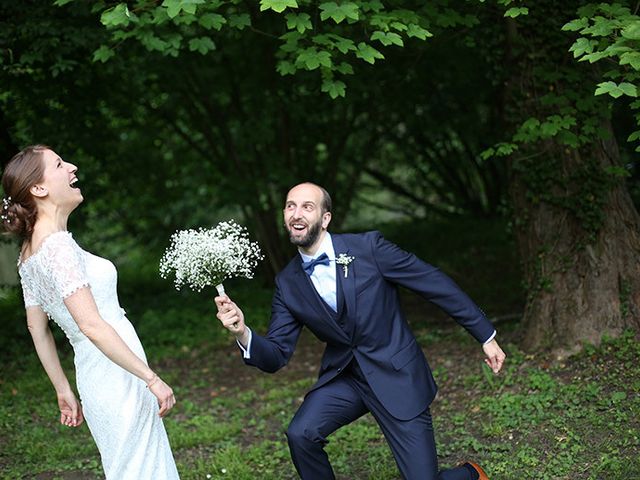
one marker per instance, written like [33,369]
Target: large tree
[577,228]
[238,95]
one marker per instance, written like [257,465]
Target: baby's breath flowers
[204,257]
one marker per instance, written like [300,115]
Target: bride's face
[59,180]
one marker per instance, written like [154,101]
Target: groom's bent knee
[300,434]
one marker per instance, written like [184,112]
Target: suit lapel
[305,287]
[348,283]
[307,291]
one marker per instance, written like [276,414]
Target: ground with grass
[561,418]
[544,417]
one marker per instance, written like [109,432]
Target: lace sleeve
[29,297]
[67,266]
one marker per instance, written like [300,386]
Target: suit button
[339,369]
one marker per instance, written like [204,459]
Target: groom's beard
[313,232]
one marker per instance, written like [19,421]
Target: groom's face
[303,215]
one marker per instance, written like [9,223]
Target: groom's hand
[495,355]
[232,318]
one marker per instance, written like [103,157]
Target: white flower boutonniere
[344,260]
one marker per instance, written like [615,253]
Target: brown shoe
[478,468]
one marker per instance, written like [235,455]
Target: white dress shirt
[324,276]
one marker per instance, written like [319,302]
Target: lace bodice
[57,270]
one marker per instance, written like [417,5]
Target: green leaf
[373,6]
[504,149]
[568,138]
[277,6]
[608,87]
[60,3]
[632,31]
[387,38]
[602,27]
[103,54]
[239,21]
[516,12]
[575,25]
[151,42]
[582,46]
[487,154]
[212,21]
[594,57]
[530,124]
[117,16]
[634,136]
[368,53]
[202,45]
[173,7]
[311,58]
[286,68]
[628,89]
[343,44]
[529,131]
[344,68]
[417,31]
[338,12]
[615,90]
[401,27]
[335,88]
[299,21]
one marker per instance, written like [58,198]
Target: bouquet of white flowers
[204,257]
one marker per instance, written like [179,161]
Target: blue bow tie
[311,264]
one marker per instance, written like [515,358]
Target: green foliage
[516,12]
[174,25]
[610,32]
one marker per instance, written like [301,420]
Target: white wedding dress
[122,414]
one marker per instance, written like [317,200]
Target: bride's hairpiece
[6,203]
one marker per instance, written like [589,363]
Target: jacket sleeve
[272,352]
[404,268]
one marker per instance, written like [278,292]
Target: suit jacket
[376,332]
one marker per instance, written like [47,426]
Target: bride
[123,399]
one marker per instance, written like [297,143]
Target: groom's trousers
[342,401]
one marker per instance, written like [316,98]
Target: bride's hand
[164,394]
[70,409]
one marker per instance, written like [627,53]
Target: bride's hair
[18,210]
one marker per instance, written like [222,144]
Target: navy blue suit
[372,361]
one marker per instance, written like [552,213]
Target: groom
[344,289]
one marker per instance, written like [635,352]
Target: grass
[542,418]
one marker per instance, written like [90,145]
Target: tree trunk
[579,288]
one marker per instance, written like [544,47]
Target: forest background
[496,139]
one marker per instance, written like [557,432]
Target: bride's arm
[38,325]
[84,311]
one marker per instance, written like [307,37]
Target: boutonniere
[344,260]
